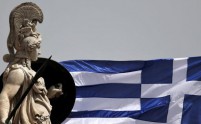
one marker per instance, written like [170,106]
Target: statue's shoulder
[14,67]
[15,72]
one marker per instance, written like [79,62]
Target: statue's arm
[10,88]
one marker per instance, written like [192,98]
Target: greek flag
[163,91]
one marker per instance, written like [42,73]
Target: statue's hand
[55,91]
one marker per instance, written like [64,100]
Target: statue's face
[34,53]
[33,48]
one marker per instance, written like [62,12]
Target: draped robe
[35,108]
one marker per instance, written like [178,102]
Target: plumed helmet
[21,15]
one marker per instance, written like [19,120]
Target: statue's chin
[34,59]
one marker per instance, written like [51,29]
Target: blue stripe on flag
[153,71]
[153,109]
[101,66]
[157,72]
[194,69]
[191,110]
[104,114]
[112,90]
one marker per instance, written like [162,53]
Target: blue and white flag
[163,91]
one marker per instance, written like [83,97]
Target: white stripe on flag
[91,78]
[105,121]
[89,104]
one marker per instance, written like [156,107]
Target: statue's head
[23,40]
[28,43]
[29,47]
[32,47]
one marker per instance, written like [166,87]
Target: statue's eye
[38,45]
